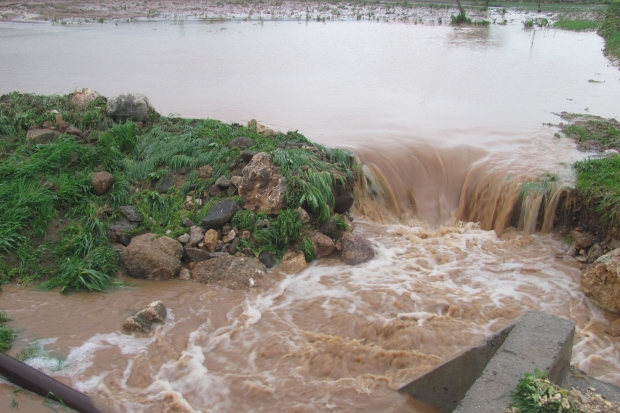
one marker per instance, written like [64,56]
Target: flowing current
[449,123]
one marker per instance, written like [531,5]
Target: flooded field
[451,120]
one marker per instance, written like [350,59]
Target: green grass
[610,31]
[599,181]
[536,394]
[7,334]
[594,130]
[576,25]
[53,228]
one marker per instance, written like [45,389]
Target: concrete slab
[577,379]
[445,386]
[481,379]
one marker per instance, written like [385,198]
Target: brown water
[449,124]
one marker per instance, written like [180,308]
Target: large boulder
[231,272]
[220,213]
[293,262]
[153,258]
[356,249]
[602,281]
[262,187]
[42,135]
[129,106]
[142,320]
[101,182]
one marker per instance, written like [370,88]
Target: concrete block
[537,341]
[480,380]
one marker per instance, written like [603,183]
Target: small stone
[131,214]
[356,249]
[196,235]
[329,227]
[165,185]
[183,239]
[293,262]
[84,97]
[192,265]
[196,254]
[222,182]
[231,236]
[305,168]
[187,222]
[142,320]
[42,135]
[235,243]
[219,246]
[184,170]
[226,229]
[214,190]
[304,217]
[124,239]
[72,130]
[266,258]
[246,235]
[235,180]
[232,250]
[129,106]
[220,214]
[582,239]
[101,182]
[211,239]
[343,203]
[241,142]
[61,124]
[247,251]
[323,245]
[204,172]
[185,275]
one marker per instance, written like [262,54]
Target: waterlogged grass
[7,334]
[610,31]
[598,180]
[576,25]
[54,229]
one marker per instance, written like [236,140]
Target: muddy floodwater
[449,122]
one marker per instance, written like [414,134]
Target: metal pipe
[24,376]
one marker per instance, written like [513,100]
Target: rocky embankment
[593,209]
[121,188]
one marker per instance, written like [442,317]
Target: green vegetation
[7,334]
[576,25]
[598,180]
[610,31]
[54,229]
[536,394]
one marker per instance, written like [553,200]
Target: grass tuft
[576,25]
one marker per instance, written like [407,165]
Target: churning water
[449,122]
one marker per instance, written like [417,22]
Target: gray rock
[356,249]
[196,254]
[595,252]
[185,274]
[220,214]
[231,272]
[129,106]
[329,227]
[219,254]
[72,130]
[143,319]
[165,185]
[84,97]
[222,182]
[42,135]
[266,258]
[235,180]
[101,182]
[343,203]
[582,239]
[196,235]
[241,142]
[188,222]
[131,214]
[184,239]
[118,228]
[184,170]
